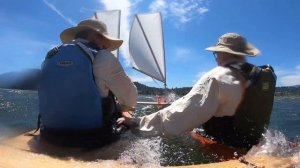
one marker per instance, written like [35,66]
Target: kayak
[154,103]
[231,155]
[224,152]
[25,151]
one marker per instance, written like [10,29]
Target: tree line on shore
[145,90]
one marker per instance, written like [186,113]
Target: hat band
[240,48]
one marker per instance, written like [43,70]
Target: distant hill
[146,90]
[288,91]
[29,79]
[280,91]
[23,80]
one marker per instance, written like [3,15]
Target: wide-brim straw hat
[235,44]
[69,34]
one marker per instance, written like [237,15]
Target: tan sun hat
[69,34]
[235,44]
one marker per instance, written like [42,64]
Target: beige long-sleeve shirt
[218,93]
[110,75]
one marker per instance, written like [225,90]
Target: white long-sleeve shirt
[218,93]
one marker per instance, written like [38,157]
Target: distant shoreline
[140,93]
[284,97]
[31,83]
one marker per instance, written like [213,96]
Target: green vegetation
[286,91]
[146,90]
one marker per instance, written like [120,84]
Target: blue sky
[30,28]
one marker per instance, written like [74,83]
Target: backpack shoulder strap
[249,71]
[52,52]
[90,53]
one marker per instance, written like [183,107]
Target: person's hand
[127,114]
[129,122]
[121,120]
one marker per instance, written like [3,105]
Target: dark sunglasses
[215,55]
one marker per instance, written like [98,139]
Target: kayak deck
[27,151]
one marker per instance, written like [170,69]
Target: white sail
[146,46]
[112,21]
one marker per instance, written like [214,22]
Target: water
[19,109]
[286,117]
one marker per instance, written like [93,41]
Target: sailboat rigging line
[163,42]
[118,50]
[160,71]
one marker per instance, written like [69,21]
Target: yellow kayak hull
[28,152]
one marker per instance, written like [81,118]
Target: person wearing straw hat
[214,101]
[72,72]
[108,72]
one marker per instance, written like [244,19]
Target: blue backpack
[68,96]
[71,110]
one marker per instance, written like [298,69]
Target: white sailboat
[146,46]
[112,20]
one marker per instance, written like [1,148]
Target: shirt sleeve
[186,113]
[109,74]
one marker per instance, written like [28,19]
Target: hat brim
[69,34]
[249,51]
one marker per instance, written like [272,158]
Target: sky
[30,28]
